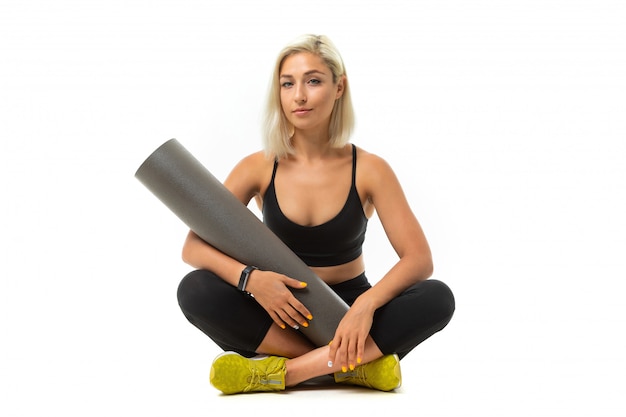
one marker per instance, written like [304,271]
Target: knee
[192,287]
[443,299]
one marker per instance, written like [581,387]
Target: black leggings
[236,322]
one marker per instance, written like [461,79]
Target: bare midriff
[339,273]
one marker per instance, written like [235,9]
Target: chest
[315,195]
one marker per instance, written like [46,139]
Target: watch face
[243,280]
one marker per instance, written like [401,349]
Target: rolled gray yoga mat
[208,208]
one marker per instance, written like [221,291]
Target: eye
[286,84]
[314,81]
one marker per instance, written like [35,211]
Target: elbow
[186,254]
[421,266]
[188,250]
[424,266]
[427,268]
[431,270]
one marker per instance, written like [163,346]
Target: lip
[301,111]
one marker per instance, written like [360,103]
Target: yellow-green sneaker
[382,374]
[232,373]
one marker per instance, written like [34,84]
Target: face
[307,91]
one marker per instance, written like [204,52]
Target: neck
[311,145]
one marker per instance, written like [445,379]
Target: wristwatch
[243,280]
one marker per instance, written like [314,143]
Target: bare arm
[269,288]
[414,264]
[403,231]
[197,253]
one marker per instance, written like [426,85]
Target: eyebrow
[314,71]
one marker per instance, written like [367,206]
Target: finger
[351,355]
[294,316]
[342,357]
[291,316]
[278,320]
[294,283]
[301,309]
[331,353]
[359,351]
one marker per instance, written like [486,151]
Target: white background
[503,119]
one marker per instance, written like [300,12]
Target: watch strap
[243,279]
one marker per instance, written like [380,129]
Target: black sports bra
[338,241]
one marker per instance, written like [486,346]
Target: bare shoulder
[373,168]
[377,180]
[249,175]
[252,163]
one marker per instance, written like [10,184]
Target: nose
[300,94]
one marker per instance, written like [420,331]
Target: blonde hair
[277,131]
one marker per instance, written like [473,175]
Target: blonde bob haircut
[277,130]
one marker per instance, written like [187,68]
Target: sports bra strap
[353,165]
[275,167]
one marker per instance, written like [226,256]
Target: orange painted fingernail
[310,317]
[343,369]
[305,324]
[282,326]
[351,367]
[358,360]
[303,284]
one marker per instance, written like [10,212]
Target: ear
[341,87]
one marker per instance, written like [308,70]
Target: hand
[348,345]
[271,291]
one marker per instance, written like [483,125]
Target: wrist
[244,277]
[365,304]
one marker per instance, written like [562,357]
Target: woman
[300,182]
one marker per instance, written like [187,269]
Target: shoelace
[358,374]
[258,377]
